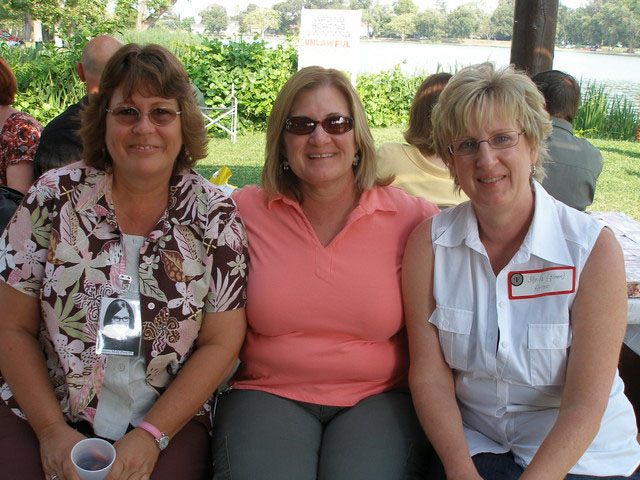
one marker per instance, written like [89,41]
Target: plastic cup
[92,458]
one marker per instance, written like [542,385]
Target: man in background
[59,144]
[575,164]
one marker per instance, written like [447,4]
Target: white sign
[330,39]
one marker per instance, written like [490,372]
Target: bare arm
[218,344]
[598,320]
[430,378]
[23,366]
[20,176]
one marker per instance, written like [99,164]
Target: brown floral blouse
[64,245]
[19,139]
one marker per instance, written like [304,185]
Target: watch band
[161,439]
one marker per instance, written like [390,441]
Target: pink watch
[161,439]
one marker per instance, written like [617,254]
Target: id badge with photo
[120,323]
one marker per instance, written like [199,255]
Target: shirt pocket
[454,330]
[548,346]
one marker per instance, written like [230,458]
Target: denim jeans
[493,466]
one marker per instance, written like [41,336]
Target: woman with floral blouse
[130,225]
[19,136]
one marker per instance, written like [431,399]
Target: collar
[545,238]
[563,124]
[375,199]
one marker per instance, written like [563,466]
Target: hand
[56,442]
[466,471]
[136,456]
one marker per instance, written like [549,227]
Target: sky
[191,8]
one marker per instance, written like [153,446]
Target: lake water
[619,72]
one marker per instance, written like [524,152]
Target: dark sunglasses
[159,116]
[334,125]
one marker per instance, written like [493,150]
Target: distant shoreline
[478,42]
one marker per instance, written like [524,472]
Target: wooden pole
[534,34]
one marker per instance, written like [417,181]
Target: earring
[186,151]
[533,169]
[356,159]
[285,165]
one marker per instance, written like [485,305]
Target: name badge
[539,283]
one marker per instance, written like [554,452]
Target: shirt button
[501,304]
[151,306]
[121,367]
[556,342]
[505,344]
[445,323]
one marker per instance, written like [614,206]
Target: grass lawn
[618,187]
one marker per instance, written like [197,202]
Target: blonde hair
[479,92]
[277,181]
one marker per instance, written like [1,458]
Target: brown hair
[150,70]
[8,85]
[277,181]
[420,131]
[561,93]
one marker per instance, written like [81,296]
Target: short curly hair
[149,70]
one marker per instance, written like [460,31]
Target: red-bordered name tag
[538,283]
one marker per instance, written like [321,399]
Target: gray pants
[259,436]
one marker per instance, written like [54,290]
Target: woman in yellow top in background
[417,168]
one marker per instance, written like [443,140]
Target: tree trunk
[28,28]
[142,5]
[534,33]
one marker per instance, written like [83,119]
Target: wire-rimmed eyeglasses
[499,141]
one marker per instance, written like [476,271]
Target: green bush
[46,78]
[256,70]
[386,96]
[602,115]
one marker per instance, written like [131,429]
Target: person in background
[60,143]
[417,168]
[575,164]
[321,391]
[131,221]
[19,136]
[516,303]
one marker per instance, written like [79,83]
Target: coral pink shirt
[326,324]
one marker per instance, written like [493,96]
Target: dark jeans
[188,456]
[262,436]
[493,466]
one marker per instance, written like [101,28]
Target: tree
[214,18]
[501,20]
[140,13]
[430,24]
[170,21]
[402,7]
[379,17]
[403,25]
[332,4]
[289,12]
[463,21]
[561,25]
[262,19]
[186,23]
[65,18]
